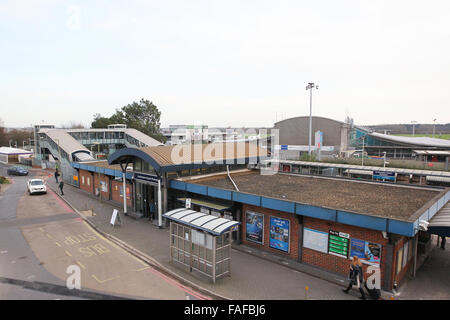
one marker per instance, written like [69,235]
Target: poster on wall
[338,243]
[254,227]
[279,234]
[315,240]
[121,192]
[368,252]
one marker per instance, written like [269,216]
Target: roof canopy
[202,221]
[191,156]
[440,223]
[9,150]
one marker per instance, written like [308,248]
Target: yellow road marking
[68,253]
[42,229]
[49,236]
[102,237]
[81,265]
[138,260]
[58,244]
[142,269]
[102,281]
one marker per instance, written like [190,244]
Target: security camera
[423,225]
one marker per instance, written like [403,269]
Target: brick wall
[405,270]
[104,179]
[293,225]
[89,181]
[341,265]
[327,261]
[338,264]
[86,181]
[115,192]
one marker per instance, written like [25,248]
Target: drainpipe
[159,205]
[229,176]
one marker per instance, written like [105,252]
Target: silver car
[36,186]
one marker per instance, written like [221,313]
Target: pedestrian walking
[443,240]
[56,176]
[356,277]
[61,185]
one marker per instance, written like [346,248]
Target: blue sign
[279,234]
[357,248]
[146,178]
[384,175]
[284,147]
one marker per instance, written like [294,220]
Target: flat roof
[368,198]
[366,168]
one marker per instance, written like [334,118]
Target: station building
[148,170]
[318,221]
[323,222]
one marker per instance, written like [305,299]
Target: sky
[225,63]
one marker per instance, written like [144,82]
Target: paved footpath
[255,275]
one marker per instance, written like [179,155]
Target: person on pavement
[356,277]
[443,240]
[56,176]
[61,185]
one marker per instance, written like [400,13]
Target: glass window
[137,165]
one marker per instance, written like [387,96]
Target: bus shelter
[201,242]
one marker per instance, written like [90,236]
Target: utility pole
[309,87]
[362,154]
[434,127]
[413,123]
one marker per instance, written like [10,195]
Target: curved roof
[191,156]
[66,142]
[203,221]
[415,141]
[307,117]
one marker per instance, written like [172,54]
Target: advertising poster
[368,252]
[121,192]
[315,240]
[254,227]
[279,234]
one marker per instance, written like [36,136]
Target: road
[41,237]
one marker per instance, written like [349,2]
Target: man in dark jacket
[61,185]
[56,176]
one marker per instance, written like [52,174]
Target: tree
[143,116]
[73,125]
[3,135]
[100,122]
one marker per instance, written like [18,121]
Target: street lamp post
[309,87]
[434,127]
[413,123]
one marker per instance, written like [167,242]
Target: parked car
[17,171]
[36,186]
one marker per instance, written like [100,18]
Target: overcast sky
[225,63]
